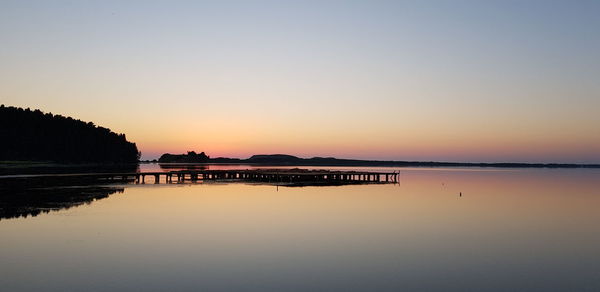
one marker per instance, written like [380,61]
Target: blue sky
[415,80]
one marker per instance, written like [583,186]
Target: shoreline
[396,164]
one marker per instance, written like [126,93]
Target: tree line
[32,135]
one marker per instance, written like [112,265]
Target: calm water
[511,230]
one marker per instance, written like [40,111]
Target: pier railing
[256,175]
[270,176]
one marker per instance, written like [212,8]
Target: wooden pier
[283,176]
[272,175]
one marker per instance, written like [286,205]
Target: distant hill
[274,159]
[290,160]
[32,135]
[283,159]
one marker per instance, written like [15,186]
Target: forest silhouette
[32,135]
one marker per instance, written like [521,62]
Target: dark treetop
[28,135]
[191,157]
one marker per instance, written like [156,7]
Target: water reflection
[511,230]
[182,166]
[57,168]
[33,202]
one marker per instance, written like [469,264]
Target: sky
[396,80]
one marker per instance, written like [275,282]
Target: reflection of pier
[265,175]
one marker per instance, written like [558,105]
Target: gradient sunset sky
[404,80]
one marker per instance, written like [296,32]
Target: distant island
[190,157]
[290,160]
[32,135]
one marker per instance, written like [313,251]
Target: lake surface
[438,230]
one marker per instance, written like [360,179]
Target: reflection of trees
[54,168]
[182,166]
[32,202]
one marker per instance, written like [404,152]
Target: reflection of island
[32,202]
[182,166]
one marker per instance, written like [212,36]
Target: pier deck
[256,175]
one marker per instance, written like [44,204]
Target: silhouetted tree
[37,136]
[191,157]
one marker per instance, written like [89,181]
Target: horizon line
[466,163]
